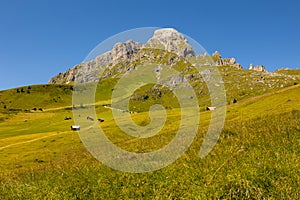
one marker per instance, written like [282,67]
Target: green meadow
[256,157]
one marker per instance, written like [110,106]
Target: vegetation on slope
[286,71]
[36,96]
[257,155]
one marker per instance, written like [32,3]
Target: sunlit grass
[257,156]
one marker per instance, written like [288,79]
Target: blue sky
[40,38]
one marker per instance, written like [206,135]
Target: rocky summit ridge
[167,39]
[170,40]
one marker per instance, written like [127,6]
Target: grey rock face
[166,39]
[225,61]
[171,40]
[90,71]
[124,51]
[260,68]
[229,61]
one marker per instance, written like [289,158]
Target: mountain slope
[257,155]
[170,48]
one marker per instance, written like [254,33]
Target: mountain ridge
[167,39]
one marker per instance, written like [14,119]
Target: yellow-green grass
[36,96]
[289,71]
[257,156]
[34,123]
[284,100]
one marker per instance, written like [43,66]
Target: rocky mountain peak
[171,40]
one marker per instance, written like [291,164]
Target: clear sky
[41,38]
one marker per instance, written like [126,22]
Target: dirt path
[64,107]
[57,108]
[28,141]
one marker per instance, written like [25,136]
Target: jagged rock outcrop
[259,68]
[124,50]
[251,67]
[89,71]
[225,61]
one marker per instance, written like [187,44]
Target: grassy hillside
[239,84]
[256,157]
[287,71]
[36,96]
